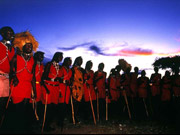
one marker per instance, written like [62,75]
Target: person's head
[27,48]
[58,56]
[39,56]
[25,42]
[67,62]
[78,61]
[143,73]
[136,69]
[101,66]
[156,69]
[113,71]
[89,65]
[167,73]
[7,33]
[118,68]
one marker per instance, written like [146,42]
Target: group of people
[52,92]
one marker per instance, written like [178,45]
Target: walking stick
[146,108]
[44,113]
[106,107]
[125,97]
[91,105]
[2,119]
[97,105]
[72,110]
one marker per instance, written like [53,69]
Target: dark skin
[8,35]
[27,49]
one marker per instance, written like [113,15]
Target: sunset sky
[138,31]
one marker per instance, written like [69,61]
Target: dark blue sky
[109,28]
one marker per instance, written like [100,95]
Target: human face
[40,57]
[27,48]
[8,35]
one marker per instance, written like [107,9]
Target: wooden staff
[91,105]
[125,97]
[106,107]
[145,108]
[72,110]
[44,113]
[2,119]
[97,105]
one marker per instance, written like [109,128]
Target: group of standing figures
[33,93]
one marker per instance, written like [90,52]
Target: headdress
[25,37]
[124,65]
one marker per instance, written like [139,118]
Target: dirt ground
[118,126]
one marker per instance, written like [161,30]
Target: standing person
[134,87]
[77,86]
[118,85]
[125,89]
[89,92]
[65,85]
[155,92]
[176,98]
[166,96]
[143,93]
[6,55]
[51,90]
[39,69]
[100,87]
[23,81]
[114,95]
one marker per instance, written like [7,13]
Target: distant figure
[51,89]
[176,98]
[77,85]
[65,85]
[39,69]
[166,97]
[134,90]
[89,91]
[143,95]
[155,80]
[113,92]
[100,87]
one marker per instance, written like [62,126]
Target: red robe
[118,84]
[113,88]
[64,89]
[133,85]
[53,87]
[24,75]
[155,88]
[126,85]
[143,83]
[91,86]
[176,85]
[101,84]
[5,57]
[166,87]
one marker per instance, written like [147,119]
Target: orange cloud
[136,51]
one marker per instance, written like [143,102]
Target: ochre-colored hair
[25,37]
